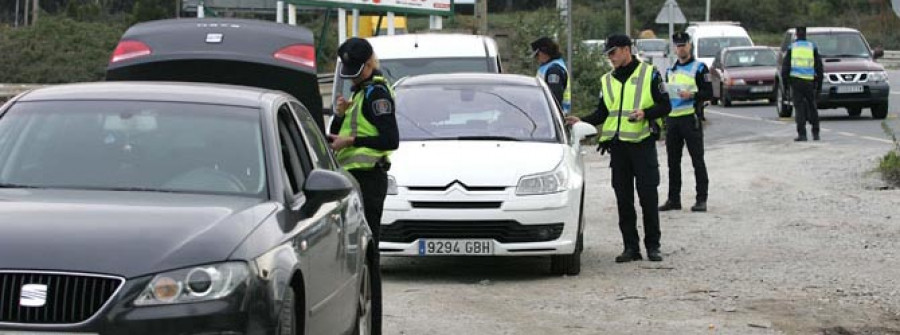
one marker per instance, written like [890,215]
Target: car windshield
[749,58]
[710,46]
[652,45]
[475,112]
[396,69]
[840,45]
[133,146]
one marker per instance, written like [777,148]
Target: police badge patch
[553,78]
[382,107]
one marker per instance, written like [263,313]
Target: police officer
[802,69]
[688,86]
[553,71]
[363,133]
[633,100]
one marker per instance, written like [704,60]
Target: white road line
[786,121]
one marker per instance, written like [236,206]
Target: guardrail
[891,59]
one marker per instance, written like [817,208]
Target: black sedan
[176,208]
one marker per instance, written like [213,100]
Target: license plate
[850,89]
[455,247]
[758,89]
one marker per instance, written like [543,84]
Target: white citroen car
[486,166]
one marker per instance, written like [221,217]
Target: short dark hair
[801,32]
[547,46]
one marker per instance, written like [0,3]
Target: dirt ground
[799,239]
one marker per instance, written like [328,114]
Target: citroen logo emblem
[33,295]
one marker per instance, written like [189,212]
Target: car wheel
[571,264]
[287,320]
[880,111]
[854,111]
[781,104]
[364,303]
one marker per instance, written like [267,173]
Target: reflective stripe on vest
[803,60]
[682,77]
[567,93]
[356,125]
[636,95]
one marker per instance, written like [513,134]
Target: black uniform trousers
[681,130]
[373,185]
[635,165]
[803,94]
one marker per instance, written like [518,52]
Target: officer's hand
[571,119]
[637,115]
[340,142]
[342,105]
[685,94]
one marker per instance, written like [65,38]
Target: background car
[174,208]
[744,73]
[853,80]
[709,38]
[485,167]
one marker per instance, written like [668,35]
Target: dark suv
[852,78]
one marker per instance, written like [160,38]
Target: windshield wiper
[845,56]
[133,189]
[486,138]
[6,185]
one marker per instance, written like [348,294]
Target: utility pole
[707,10]
[628,18]
[34,12]
[17,15]
[25,13]
[481,14]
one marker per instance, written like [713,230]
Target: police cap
[616,40]
[681,38]
[354,53]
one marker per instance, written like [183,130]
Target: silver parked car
[176,208]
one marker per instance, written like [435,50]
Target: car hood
[473,163]
[128,234]
[752,73]
[850,65]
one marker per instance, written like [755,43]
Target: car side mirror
[582,130]
[878,53]
[323,186]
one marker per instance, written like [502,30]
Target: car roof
[469,78]
[758,47]
[716,30]
[433,46]
[825,30]
[151,91]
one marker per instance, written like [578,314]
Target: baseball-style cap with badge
[541,44]
[680,38]
[354,53]
[616,40]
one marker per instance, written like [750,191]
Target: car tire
[364,315]
[880,111]
[571,264]
[726,101]
[781,104]
[854,111]
[287,319]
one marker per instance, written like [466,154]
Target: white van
[414,54]
[709,38]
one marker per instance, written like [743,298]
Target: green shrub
[889,165]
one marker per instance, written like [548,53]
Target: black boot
[670,205]
[816,136]
[700,206]
[629,255]
[654,255]
[801,138]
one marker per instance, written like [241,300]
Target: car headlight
[208,282]
[392,185]
[543,183]
[732,82]
[878,76]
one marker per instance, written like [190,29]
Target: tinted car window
[291,146]
[154,146]
[434,112]
[710,46]
[320,154]
[396,69]
[840,45]
[652,45]
[750,58]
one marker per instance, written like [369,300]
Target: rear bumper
[751,92]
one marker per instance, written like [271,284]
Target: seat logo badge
[33,295]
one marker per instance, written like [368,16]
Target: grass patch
[889,165]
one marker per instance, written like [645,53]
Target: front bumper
[519,215]
[751,92]
[872,94]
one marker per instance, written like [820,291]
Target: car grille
[504,231]
[70,298]
[456,204]
[839,78]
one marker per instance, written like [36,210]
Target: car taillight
[300,54]
[128,49]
